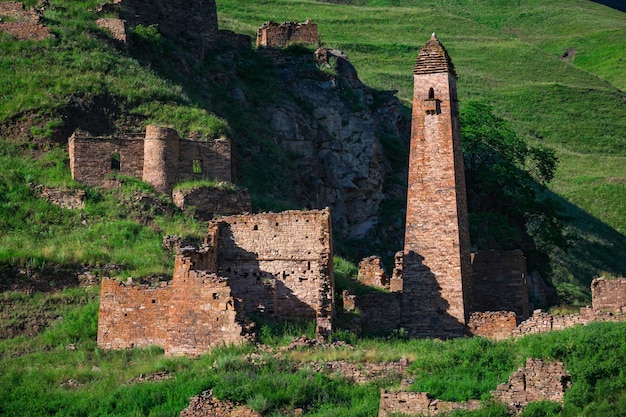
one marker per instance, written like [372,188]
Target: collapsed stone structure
[608,304]
[536,381]
[280,35]
[274,265]
[161,158]
[194,22]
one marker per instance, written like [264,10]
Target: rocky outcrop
[331,123]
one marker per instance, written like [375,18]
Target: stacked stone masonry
[436,266]
[208,202]
[280,265]
[277,265]
[605,308]
[161,158]
[499,282]
[536,381]
[280,35]
[372,272]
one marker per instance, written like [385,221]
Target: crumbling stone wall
[419,403]
[193,22]
[499,325]
[536,381]
[161,158]
[280,264]
[496,325]
[372,272]
[273,264]
[186,317]
[499,282]
[208,202]
[379,312]
[280,35]
[608,294]
[90,157]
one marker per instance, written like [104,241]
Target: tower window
[431,93]
[116,161]
[196,166]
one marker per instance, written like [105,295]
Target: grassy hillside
[507,53]
[554,69]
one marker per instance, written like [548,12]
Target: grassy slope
[499,58]
[507,53]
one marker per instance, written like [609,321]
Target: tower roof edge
[433,58]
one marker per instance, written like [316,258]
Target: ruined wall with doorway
[280,264]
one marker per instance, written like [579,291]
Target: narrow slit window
[431,93]
[116,161]
[197,166]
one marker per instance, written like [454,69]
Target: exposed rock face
[331,126]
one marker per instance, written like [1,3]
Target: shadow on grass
[597,249]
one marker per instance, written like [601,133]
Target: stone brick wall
[187,316]
[162,158]
[372,272]
[608,294]
[280,264]
[90,158]
[280,35]
[536,381]
[419,403]
[497,325]
[378,312]
[207,202]
[499,283]
[132,315]
[436,249]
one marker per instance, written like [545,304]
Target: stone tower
[160,158]
[436,265]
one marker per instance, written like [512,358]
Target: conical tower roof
[433,58]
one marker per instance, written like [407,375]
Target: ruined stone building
[161,158]
[277,266]
[194,22]
[280,35]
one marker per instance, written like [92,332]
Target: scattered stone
[205,405]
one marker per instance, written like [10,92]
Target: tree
[506,185]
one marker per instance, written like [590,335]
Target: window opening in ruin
[215,296]
[116,161]
[196,166]
[431,93]
[255,227]
[153,301]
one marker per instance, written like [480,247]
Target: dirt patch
[22,24]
